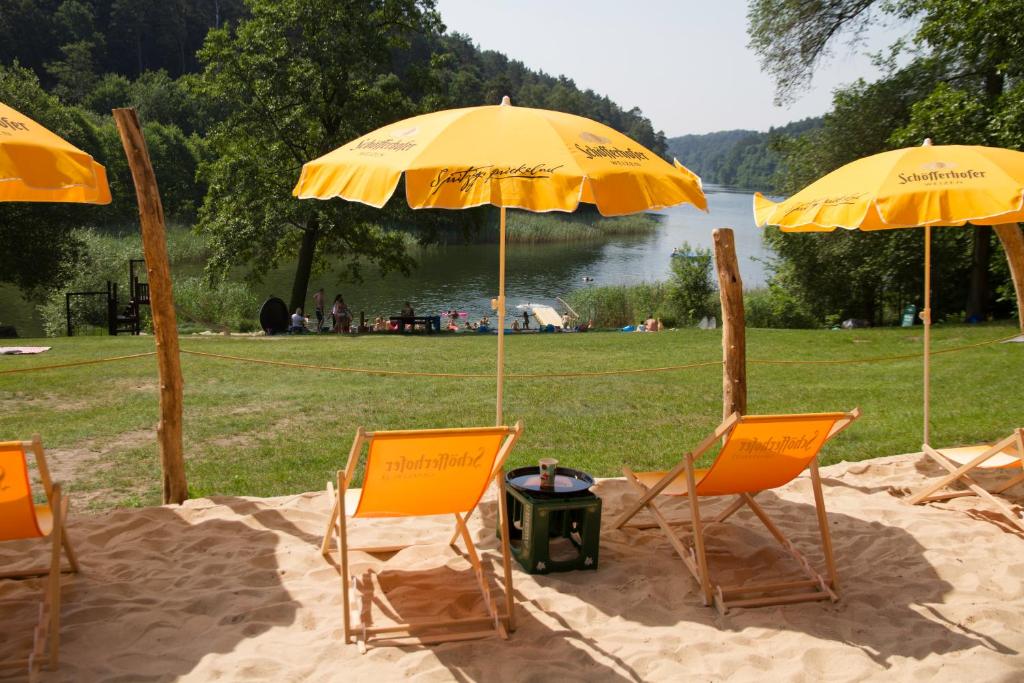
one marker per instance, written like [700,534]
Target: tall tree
[298,78]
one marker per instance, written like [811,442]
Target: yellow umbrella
[903,188]
[511,157]
[38,166]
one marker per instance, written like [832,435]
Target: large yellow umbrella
[922,186]
[38,166]
[510,157]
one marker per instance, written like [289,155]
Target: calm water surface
[466,277]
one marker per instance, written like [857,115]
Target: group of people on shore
[341,316]
[341,320]
[651,324]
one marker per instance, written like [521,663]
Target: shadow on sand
[884,574]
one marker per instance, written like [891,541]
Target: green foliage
[297,79]
[776,306]
[460,75]
[101,257]
[127,37]
[683,300]
[221,305]
[525,227]
[739,158]
[792,36]
[620,305]
[691,289]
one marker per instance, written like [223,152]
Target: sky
[685,63]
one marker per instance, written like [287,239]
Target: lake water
[465,277]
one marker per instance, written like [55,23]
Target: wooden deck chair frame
[501,622]
[46,635]
[694,555]
[961,473]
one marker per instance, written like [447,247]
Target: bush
[775,306]
[691,290]
[224,305]
[620,305]
[525,227]
[103,257]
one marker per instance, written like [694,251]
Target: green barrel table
[539,515]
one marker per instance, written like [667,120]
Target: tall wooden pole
[165,322]
[1012,239]
[501,317]
[734,330]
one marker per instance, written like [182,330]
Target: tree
[691,285]
[299,78]
[793,36]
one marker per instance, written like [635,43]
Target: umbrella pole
[926,317]
[501,317]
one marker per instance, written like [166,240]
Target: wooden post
[1012,239]
[165,322]
[734,331]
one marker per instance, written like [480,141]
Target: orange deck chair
[418,473]
[759,452]
[21,518]
[1003,456]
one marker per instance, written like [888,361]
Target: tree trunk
[161,296]
[1012,239]
[306,252]
[981,257]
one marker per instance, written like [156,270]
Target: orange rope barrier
[522,375]
[34,368]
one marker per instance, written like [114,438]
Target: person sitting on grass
[652,324]
[298,322]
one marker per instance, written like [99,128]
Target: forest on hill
[745,159]
[234,96]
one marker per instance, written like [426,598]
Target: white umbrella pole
[926,317]
[501,317]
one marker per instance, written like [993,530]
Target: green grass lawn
[262,431]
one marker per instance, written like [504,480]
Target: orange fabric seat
[759,452]
[21,518]
[416,473]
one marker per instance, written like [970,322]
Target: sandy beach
[234,589]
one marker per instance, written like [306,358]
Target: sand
[234,589]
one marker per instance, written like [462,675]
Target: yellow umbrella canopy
[925,186]
[39,166]
[514,157]
[903,188]
[510,157]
